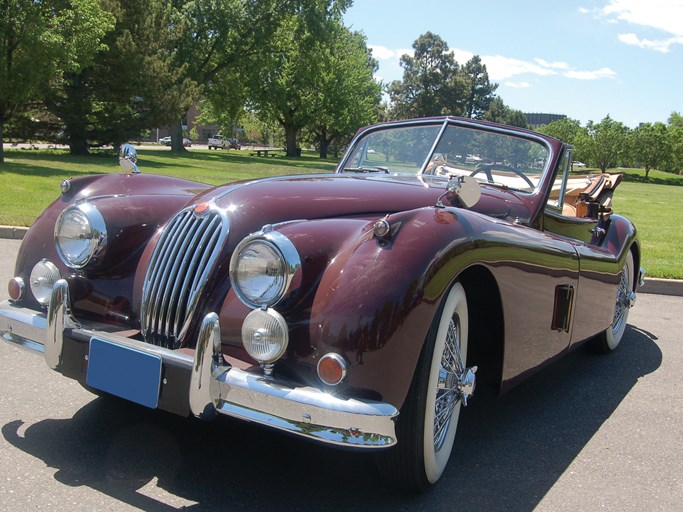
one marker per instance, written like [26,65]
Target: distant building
[538,119]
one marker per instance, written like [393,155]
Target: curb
[652,285]
[662,286]
[12,232]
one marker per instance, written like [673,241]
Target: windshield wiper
[367,169]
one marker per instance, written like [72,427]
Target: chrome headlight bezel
[284,260]
[84,245]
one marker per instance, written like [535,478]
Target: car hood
[278,199]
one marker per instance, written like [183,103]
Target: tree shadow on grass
[52,163]
[509,450]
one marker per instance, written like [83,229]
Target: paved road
[588,433]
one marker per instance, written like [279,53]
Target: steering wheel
[486,169]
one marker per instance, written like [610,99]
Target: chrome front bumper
[215,387]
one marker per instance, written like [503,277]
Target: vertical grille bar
[177,274]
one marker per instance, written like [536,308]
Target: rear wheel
[610,339]
[429,418]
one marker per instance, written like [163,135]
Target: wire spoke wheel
[625,297]
[429,417]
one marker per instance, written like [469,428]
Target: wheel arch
[486,336]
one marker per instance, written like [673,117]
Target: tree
[675,137]
[435,84]
[286,88]
[227,42]
[430,84]
[650,145]
[604,142]
[41,40]
[348,96]
[499,112]
[478,89]
[569,131]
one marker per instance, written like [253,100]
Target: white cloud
[553,65]
[384,53]
[499,67]
[502,68]
[664,15]
[461,56]
[661,45]
[518,85]
[660,15]
[598,74]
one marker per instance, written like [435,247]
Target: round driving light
[16,288]
[264,335]
[43,277]
[332,369]
[80,235]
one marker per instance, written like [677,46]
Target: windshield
[489,156]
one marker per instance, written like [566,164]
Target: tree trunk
[324,143]
[76,110]
[2,140]
[291,132]
[177,136]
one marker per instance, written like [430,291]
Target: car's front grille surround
[177,274]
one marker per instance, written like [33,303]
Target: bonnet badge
[201,210]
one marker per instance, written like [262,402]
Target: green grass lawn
[30,180]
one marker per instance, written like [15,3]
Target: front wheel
[429,417]
[610,339]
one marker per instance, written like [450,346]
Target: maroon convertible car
[355,309]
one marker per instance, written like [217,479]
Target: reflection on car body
[357,309]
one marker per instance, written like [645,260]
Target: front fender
[133,208]
[376,298]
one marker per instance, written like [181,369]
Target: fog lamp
[43,277]
[264,335]
[332,369]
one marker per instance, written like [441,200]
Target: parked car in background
[220,142]
[578,164]
[187,143]
[166,141]
[355,309]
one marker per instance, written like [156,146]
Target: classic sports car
[353,308]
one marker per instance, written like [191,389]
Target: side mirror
[462,189]
[128,159]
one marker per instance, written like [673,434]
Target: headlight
[264,268]
[80,235]
[43,277]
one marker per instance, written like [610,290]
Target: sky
[586,59]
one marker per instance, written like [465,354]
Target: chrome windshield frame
[444,123]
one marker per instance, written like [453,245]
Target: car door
[593,300]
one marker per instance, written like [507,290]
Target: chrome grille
[177,274]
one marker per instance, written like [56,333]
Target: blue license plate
[124,372]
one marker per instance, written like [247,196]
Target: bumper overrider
[198,382]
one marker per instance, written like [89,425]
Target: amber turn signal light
[332,369]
